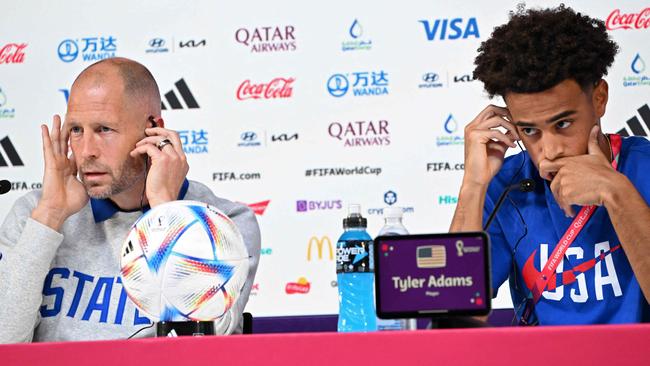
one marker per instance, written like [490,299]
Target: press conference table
[574,345]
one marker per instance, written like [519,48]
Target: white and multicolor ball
[184,260]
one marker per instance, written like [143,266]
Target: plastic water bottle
[393,226]
[355,275]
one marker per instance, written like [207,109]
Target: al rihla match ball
[184,260]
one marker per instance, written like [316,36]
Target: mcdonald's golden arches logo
[319,247]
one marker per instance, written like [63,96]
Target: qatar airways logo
[276,88]
[361,133]
[617,20]
[267,39]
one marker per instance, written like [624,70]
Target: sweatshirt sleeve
[27,249]
[246,222]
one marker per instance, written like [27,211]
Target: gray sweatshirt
[66,286]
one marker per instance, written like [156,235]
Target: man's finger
[48,154]
[593,148]
[55,135]
[548,169]
[146,149]
[171,135]
[65,135]
[498,121]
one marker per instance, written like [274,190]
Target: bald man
[60,246]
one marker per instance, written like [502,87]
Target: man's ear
[156,122]
[599,98]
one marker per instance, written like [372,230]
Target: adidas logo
[634,124]
[185,93]
[7,149]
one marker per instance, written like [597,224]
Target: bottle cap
[354,218]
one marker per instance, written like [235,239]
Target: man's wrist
[469,187]
[51,218]
[616,191]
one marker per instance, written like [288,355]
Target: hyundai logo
[249,136]
[430,77]
[157,43]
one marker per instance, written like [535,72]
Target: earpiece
[153,121]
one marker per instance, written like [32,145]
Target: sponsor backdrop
[296,109]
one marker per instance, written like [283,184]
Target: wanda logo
[12,53]
[277,88]
[640,20]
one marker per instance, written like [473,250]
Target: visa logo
[450,29]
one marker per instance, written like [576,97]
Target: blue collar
[104,209]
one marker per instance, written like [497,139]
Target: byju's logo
[638,68]
[364,83]
[450,29]
[390,198]
[634,124]
[13,53]
[9,151]
[356,42]
[186,94]
[267,39]
[157,45]
[5,111]
[276,88]
[305,206]
[361,133]
[92,48]
[249,139]
[451,138]
[194,141]
[431,80]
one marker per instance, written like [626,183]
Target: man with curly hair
[575,249]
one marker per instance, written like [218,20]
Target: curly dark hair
[539,48]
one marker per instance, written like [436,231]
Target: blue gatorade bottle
[355,275]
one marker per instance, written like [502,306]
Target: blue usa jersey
[594,283]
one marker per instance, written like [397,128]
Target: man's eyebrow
[550,120]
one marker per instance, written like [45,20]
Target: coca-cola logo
[12,53]
[277,88]
[617,20]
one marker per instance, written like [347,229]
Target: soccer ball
[184,260]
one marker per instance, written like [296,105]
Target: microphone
[5,186]
[525,185]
